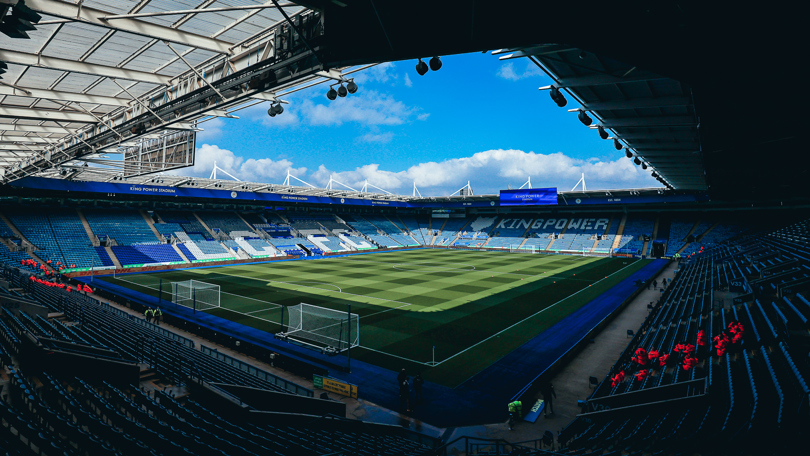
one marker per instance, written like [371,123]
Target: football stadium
[163,295]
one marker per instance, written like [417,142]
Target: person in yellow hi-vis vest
[515,412]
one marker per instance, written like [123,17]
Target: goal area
[195,294]
[515,248]
[330,330]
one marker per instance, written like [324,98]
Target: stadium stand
[187,221]
[125,227]
[635,228]
[228,223]
[34,225]
[146,254]
[72,239]
[736,361]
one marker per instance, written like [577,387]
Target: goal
[195,294]
[515,248]
[330,330]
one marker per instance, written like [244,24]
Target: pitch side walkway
[482,398]
[571,383]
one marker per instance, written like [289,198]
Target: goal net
[195,294]
[515,248]
[331,330]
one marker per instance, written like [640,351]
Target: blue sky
[478,119]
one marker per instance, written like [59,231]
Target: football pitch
[445,313]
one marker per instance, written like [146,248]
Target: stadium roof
[96,64]
[704,92]
[652,116]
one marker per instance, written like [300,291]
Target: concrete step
[113,257]
[151,224]
[90,234]
[180,252]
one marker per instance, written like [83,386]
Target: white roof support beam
[63,96]
[11,129]
[42,114]
[55,63]
[96,17]
[196,11]
[20,147]
[22,139]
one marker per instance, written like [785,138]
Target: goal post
[195,294]
[515,248]
[328,329]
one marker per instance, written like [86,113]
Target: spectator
[655,284]
[547,390]
[148,314]
[418,382]
[403,375]
[405,394]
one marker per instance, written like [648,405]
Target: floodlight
[628,153]
[435,63]
[643,166]
[637,161]
[602,133]
[584,118]
[617,144]
[272,111]
[558,97]
[351,86]
[278,108]
[655,175]
[331,94]
[421,68]
[342,92]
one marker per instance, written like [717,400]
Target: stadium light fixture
[331,94]
[557,96]
[655,175]
[421,68]
[351,86]
[602,132]
[628,153]
[342,91]
[435,63]
[637,161]
[584,118]
[617,144]
[275,110]
[643,165]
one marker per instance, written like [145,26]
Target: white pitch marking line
[531,316]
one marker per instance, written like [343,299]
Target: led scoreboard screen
[531,196]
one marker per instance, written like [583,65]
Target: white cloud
[487,171]
[408,82]
[261,170]
[384,73]
[381,138]
[492,170]
[366,108]
[507,71]
[212,130]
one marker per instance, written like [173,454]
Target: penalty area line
[530,316]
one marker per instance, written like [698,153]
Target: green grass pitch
[474,307]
